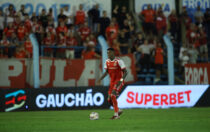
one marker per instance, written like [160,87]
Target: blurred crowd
[60,39]
[78,31]
[149,45]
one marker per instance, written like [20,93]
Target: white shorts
[70,54]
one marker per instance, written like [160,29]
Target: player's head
[110,53]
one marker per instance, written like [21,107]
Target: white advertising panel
[167,5]
[161,96]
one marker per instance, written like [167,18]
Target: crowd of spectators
[61,38]
[149,45]
[82,28]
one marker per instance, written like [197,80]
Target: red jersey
[28,25]
[84,32]
[61,29]
[49,41]
[159,56]
[21,33]
[50,29]
[113,30]
[114,68]
[8,32]
[148,15]
[71,42]
[80,17]
[28,46]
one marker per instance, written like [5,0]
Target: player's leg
[110,100]
[115,104]
[117,92]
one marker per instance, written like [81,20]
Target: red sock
[114,101]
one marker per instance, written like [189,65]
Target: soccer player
[117,72]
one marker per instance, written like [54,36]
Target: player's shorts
[204,48]
[113,87]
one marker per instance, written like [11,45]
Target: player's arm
[102,77]
[125,73]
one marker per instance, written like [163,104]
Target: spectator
[123,40]
[207,22]
[38,30]
[80,16]
[183,57]
[198,16]
[13,43]
[60,52]
[93,17]
[14,40]
[173,20]
[111,29]
[184,60]
[158,61]
[17,22]
[185,19]
[90,53]
[116,47]
[138,41]
[49,40]
[9,30]
[145,50]
[10,13]
[192,35]
[50,28]
[43,18]
[62,29]
[71,41]
[193,54]
[20,52]
[69,18]
[34,17]
[22,12]
[104,22]
[148,19]
[84,31]
[50,16]
[61,16]
[1,23]
[161,24]
[21,32]
[28,23]
[6,43]
[203,45]
[122,16]
[126,28]
[28,47]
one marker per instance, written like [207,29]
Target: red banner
[16,73]
[197,73]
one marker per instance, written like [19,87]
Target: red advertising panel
[16,73]
[197,73]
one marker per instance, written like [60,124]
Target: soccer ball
[94,116]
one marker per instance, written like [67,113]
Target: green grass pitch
[132,120]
